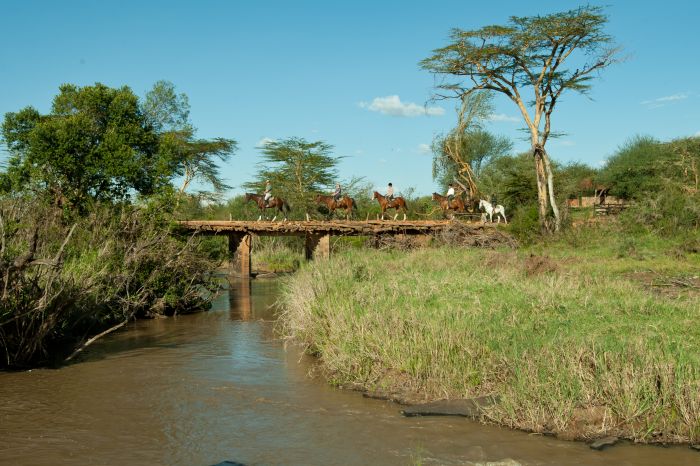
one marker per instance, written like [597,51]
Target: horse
[397,203]
[491,210]
[344,202]
[457,203]
[274,202]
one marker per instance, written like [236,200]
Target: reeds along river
[202,389]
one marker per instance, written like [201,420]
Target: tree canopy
[94,144]
[297,169]
[528,56]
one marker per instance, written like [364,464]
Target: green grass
[565,333]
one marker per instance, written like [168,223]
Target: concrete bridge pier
[318,246]
[239,248]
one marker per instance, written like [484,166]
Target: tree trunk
[550,188]
[542,201]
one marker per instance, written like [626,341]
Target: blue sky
[343,72]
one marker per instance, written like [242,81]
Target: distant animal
[490,210]
[274,202]
[344,202]
[398,203]
[457,203]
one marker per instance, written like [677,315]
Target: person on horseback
[337,193]
[390,192]
[268,193]
[450,195]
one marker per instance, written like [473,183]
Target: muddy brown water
[216,386]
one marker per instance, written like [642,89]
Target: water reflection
[241,304]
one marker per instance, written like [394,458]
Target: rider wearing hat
[390,192]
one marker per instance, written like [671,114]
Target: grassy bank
[594,334]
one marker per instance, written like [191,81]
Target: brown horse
[457,203]
[397,203]
[344,202]
[274,202]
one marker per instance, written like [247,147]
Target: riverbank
[592,335]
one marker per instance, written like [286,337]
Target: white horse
[491,210]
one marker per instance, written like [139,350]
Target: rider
[268,193]
[390,192]
[337,192]
[450,194]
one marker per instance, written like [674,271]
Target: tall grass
[569,347]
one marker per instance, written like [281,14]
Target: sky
[344,72]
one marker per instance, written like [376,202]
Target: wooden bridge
[316,233]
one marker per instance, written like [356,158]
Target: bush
[63,282]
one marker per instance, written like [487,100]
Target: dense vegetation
[87,204]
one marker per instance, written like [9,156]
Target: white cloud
[502,117]
[264,141]
[424,148]
[392,105]
[661,101]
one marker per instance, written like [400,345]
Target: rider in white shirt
[450,194]
[390,192]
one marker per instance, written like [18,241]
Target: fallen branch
[95,338]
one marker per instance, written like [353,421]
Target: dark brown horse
[344,202]
[274,202]
[457,203]
[397,203]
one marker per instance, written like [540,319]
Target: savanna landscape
[551,296]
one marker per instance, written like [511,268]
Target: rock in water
[468,408]
[604,442]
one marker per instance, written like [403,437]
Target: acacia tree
[297,169]
[168,113]
[526,60]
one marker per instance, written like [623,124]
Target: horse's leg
[396,214]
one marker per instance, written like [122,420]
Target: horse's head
[481,204]
[248,197]
[375,195]
[436,197]
[319,198]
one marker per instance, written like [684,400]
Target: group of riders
[337,194]
[449,202]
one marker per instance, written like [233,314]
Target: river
[205,388]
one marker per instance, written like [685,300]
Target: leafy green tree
[194,159]
[298,169]
[95,144]
[529,55]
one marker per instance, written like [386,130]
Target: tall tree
[94,144]
[297,169]
[528,55]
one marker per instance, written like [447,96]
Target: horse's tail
[285,207]
[354,205]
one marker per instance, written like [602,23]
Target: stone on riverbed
[472,407]
[604,442]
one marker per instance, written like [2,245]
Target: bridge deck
[335,227]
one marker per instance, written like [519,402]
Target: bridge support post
[239,246]
[318,246]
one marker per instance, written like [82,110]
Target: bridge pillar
[239,246]
[318,246]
